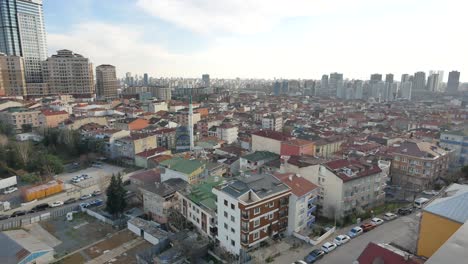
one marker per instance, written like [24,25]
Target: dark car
[405,211]
[314,255]
[70,201]
[366,227]
[18,213]
[96,193]
[40,207]
[3,217]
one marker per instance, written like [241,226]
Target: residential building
[327,147]
[159,198]
[348,186]
[18,117]
[457,141]
[187,170]
[256,160]
[182,118]
[162,93]
[106,82]
[166,138]
[198,205]
[142,158]
[433,82]
[12,81]
[131,124]
[68,73]
[267,140]
[302,202]
[335,85]
[23,34]
[273,122]
[50,119]
[441,218]
[127,147]
[251,209]
[386,253]
[419,81]
[145,177]
[157,106]
[297,147]
[418,164]
[227,132]
[453,82]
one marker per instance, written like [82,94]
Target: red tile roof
[299,185]
[358,168]
[151,152]
[52,113]
[374,253]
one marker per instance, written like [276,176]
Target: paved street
[402,231]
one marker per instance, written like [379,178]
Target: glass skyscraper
[22,33]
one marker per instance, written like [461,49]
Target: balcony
[312,200]
[245,215]
[311,208]
[311,220]
[284,202]
[245,227]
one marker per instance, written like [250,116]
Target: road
[402,231]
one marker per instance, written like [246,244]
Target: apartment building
[272,122]
[183,117]
[12,80]
[127,147]
[131,124]
[227,132]
[267,140]
[68,73]
[302,202]
[458,142]
[254,161]
[18,116]
[417,164]
[48,118]
[297,147]
[107,84]
[187,170]
[348,186]
[251,209]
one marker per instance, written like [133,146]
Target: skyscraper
[106,82]
[419,81]
[68,73]
[324,85]
[335,84]
[389,78]
[206,80]
[22,33]
[376,77]
[453,82]
[145,79]
[433,82]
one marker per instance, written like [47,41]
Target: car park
[405,211]
[10,190]
[328,247]
[366,227]
[389,216]
[56,204]
[341,240]
[86,196]
[355,231]
[18,213]
[314,255]
[377,221]
[70,201]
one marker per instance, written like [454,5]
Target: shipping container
[42,191]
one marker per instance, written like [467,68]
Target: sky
[263,38]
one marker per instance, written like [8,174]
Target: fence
[19,221]
[315,241]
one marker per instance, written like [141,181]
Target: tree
[23,151]
[51,165]
[7,129]
[116,203]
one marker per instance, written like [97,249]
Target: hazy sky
[263,38]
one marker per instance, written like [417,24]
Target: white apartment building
[273,122]
[228,133]
[458,142]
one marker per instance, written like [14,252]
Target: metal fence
[19,221]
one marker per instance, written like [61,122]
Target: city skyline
[262,39]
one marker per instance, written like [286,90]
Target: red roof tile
[374,253]
[299,185]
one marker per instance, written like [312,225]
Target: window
[232,230]
[271,216]
[257,211]
[225,202]
[271,204]
[226,226]
[233,207]
[233,219]
[256,222]
[256,235]
[233,243]
[225,214]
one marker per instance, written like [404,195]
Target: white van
[420,202]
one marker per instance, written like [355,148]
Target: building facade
[227,132]
[18,117]
[458,142]
[12,81]
[106,82]
[273,122]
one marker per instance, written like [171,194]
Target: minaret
[190,123]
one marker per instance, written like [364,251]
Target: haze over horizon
[263,39]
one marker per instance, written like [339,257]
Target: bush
[31,178]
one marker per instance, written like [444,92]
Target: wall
[434,231]
[267,144]
[225,235]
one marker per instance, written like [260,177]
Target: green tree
[116,203]
[7,129]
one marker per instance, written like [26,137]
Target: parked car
[355,231]
[18,213]
[314,255]
[366,227]
[86,196]
[299,262]
[85,176]
[70,201]
[3,217]
[377,221]
[40,207]
[96,202]
[405,211]
[96,193]
[328,247]
[420,202]
[389,216]
[84,205]
[10,190]
[431,192]
[341,240]
[56,204]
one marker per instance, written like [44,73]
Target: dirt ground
[128,257]
[82,231]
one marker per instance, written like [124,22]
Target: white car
[389,216]
[328,247]
[341,240]
[431,192]
[10,190]
[355,231]
[377,221]
[56,204]
[300,262]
